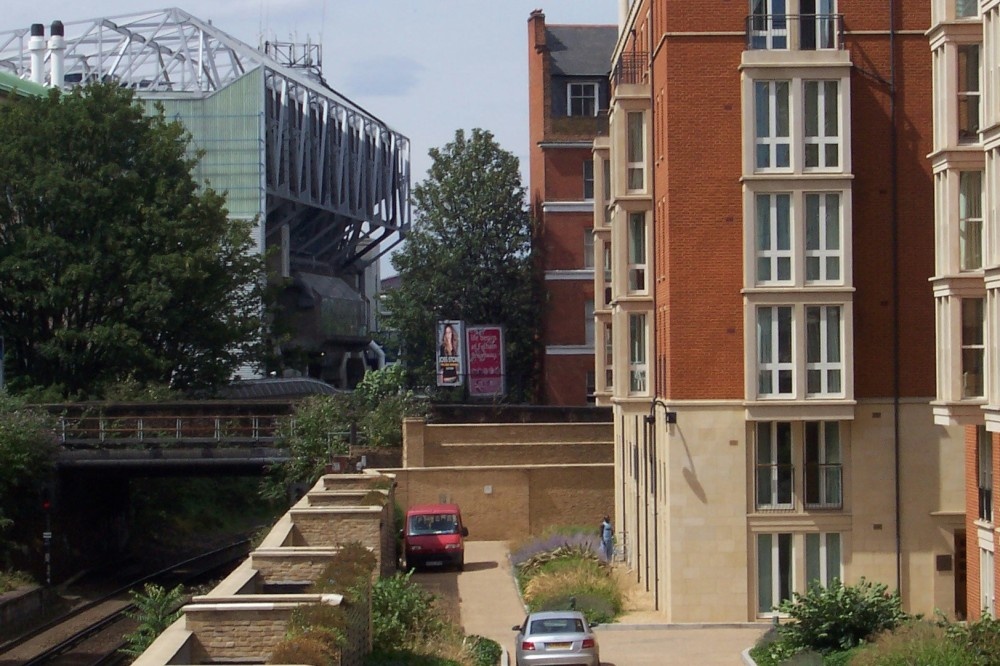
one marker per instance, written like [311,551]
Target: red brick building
[767,324]
[568,95]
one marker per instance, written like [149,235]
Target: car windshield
[433,523]
[557,625]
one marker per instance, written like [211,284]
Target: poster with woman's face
[450,368]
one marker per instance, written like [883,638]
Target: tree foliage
[468,258]
[156,608]
[114,263]
[27,447]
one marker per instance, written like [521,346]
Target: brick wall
[283,565]
[511,502]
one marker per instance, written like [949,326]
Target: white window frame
[638,250]
[588,180]
[774,466]
[970,111]
[973,348]
[773,238]
[823,487]
[970,220]
[638,368]
[769,132]
[782,583]
[635,152]
[987,582]
[779,360]
[824,554]
[825,138]
[588,323]
[769,24]
[588,248]
[984,473]
[609,356]
[824,242]
[824,350]
[582,92]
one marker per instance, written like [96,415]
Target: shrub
[156,608]
[914,642]
[575,582]
[980,640]
[839,617]
[303,649]
[402,612]
[13,580]
[348,573]
[485,651]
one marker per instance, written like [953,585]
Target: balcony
[795,32]
[578,127]
[632,68]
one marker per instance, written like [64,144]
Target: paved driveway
[488,605]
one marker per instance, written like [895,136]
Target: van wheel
[461,564]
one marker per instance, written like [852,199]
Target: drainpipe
[894,190]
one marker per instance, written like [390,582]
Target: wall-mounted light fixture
[669,416]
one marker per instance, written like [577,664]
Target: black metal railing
[986,504]
[632,67]
[795,32]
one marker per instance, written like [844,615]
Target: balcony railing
[632,67]
[795,32]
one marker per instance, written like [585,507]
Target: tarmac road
[485,600]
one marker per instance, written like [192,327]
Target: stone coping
[239,602]
[335,509]
[297,551]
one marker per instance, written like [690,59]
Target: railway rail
[92,633]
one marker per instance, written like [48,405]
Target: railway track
[91,634]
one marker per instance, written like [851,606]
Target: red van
[433,536]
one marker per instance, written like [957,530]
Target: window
[823,561]
[768,24]
[588,323]
[819,28]
[987,583]
[609,357]
[822,124]
[968,93]
[636,252]
[591,386]
[607,273]
[771,119]
[973,350]
[824,359]
[588,180]
[823,466]
[984,461]
[607,192]
[635,173]
[966,8]
[775,473]
[774,351]
[637,353]
[822,237]
[970,220]
[588,248]
[774,571]
[774,238]
[581,99]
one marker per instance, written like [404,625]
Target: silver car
[556,638]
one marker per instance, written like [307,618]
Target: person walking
[607,538]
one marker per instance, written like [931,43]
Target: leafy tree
[27,448]
[114,264]
[156,608]
[468,258]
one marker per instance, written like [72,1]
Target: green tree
[468,258]
[156,608]
[114,263]
[27,447]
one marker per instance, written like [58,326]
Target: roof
[581,50]
[12,84]
[279,387]
[432,508]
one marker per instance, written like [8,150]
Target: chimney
[36,44]
[57,55]
[536,28]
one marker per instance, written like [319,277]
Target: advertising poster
[450,370]
[485,354]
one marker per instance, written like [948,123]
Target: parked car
[433,535]
[556,638]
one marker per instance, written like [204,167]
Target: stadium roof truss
[335,176]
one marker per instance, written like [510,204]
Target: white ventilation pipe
[36,44]
[57,55]
[379,353]
[623,6]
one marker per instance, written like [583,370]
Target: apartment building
[765,330]
[568,97]
[964,38]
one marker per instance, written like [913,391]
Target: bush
[914,642]
[156,608]
[303,649]
[485,651]
[402,612]
[980,640]
[13,580]
[348,573]
[839,617]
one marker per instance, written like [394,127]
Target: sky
[424,67]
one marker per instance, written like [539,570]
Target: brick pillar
[413,442]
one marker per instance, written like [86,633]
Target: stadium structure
[325,182]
